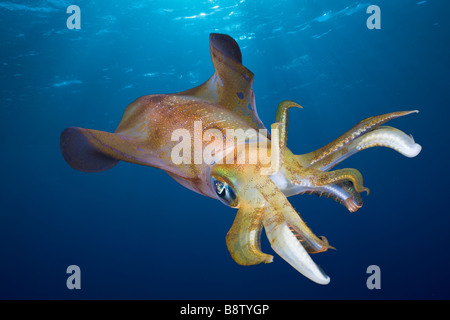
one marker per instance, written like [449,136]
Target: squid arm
[365,134]
[263,204]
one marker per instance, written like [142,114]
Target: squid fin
[231,84]
[93,150]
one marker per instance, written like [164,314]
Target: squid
[186,134]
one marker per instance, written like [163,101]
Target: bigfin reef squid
[145,136]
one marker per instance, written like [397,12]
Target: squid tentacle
[243,239]
[356,201]
[340,176]
[279,204]
[388,137]
[344,193]
[279,141]
[352,141]
[282,116]
[263,204]
[385,136]
[286,244]
[295,180]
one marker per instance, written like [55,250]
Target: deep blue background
[136,233]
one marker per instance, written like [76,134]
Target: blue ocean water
[134,232]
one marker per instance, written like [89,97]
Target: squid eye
[224,192]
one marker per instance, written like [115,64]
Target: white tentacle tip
[322,278]
[326,280]
[413,151]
